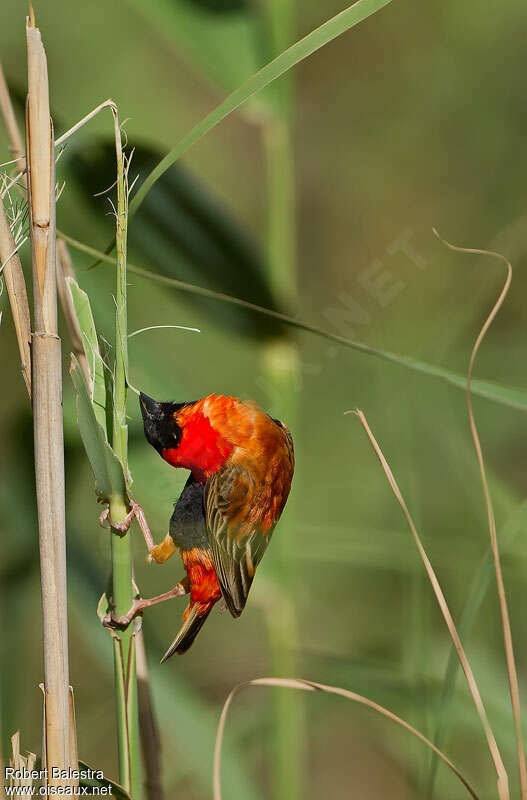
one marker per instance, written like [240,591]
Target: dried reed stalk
[47,405]
[16,290]
[64,263]
[15,139]
[9,259]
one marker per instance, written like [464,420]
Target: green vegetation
[315,198]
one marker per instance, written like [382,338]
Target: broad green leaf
[285,61]
[113,789]
[83,312]
[107,469]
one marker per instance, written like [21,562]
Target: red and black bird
[241,464]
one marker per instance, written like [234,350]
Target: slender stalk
[122,568]
[47,405]
[127,695]
[280,365]
[501,772]
[502,595]
[497,392]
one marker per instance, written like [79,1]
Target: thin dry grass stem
[47,406]
[64,263]
[504,611]
[311,686]
[65,270]
[106,104]
[17,293]
[15,139]
[9,259]
[503,782]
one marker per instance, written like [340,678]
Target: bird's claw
[123,525]
[113,622]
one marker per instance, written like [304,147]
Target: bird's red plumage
[204,587]
[202,449]
[220,434]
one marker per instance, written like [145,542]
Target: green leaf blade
[83,312]
[107,469]
[302,49]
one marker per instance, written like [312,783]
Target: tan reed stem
[47,405]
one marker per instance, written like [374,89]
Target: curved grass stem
[122,568]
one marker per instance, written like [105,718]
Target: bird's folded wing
[236,540]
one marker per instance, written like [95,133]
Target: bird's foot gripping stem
[158,553]
[139,604]
[122,525]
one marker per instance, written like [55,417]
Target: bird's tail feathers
[193,621]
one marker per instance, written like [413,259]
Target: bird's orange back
[220,429]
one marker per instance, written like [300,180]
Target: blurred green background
[411,120]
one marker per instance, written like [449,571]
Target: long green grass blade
[505,395]
[106,467]
[285,61]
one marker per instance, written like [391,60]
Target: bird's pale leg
[139,604]
[143,524]
[158,553]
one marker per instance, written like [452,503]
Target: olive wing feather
[237,543]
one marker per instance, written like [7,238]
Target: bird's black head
[160,424]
